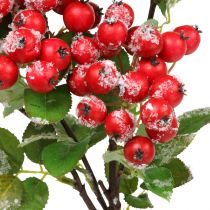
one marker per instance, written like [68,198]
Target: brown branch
[153,5]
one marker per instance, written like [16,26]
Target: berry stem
[171,68]
[153,5]
[168,19]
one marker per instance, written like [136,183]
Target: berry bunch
[93,74]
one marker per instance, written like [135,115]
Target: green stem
[168,19]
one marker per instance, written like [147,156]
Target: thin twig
[171,68]
[153,5]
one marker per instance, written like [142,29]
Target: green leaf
[4,26]
[11,155]
[47,108]
[35,195]
[35,139]
[180,172]
[165,152]
[122,61]
[62,157]
[128,184]
[151,22]
[193,121]
[159,180]
[164,4]
[67,37]
[11,191]
[142,201]
[141,131]
[13,98]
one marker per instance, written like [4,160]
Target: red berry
[42,76]
[5,7]
[112,34]
[168,88]
[8,72]
[23,45]
[102,77]
[84,50]
[174,47]
[120,125]
[145,41]
[56,51]
[31,19]
[139,151]
[157,114]
[122,12]
[98,13]
[79,11]
[62,4]
[193,37]
[77,80]
[164,136]
[41,5]
[91,111]
[134,87]
[153,68]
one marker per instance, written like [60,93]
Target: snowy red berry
[8,72]
[157,114]
[5,7]
[41,5]
[77,80]
[102,77]
[84,50]
[42,76]
[56,51]
[153,68]
[139,151]
[91,111]
[23,45]
[168,88]
[31,19]
[166,135]
[193,37]
[122,12]
[79,16]
[134,87]
[120,125]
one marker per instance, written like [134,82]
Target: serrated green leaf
[141,130]
[14,155]
[151,22]
[4,26]
[128,184]
[165,152]
[164,4]
[35,194]
[180,172]
[159,180]
[67,37]
[47,108]
[62,157]
[193,121]
[142,201]
[35,139]
[11,191]
[13,98]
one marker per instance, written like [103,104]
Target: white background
[194,71]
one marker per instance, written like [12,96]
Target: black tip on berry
[86,110]
[117,2]
[165,120]
[62,51]
[197,29]
[1,83]
[139,154]
[99,11]
[182,90]
[21,42]
[111,21]
[154,61]
[183,36]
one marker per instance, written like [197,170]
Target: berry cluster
[147,83]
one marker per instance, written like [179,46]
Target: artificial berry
[157,114]
[56,51]
[41,5]
[8,72]
[79,11]
[77,80]
[120,125]
[193,37]
[91,111]
[42,76]
[31,19]
[134,87]
[139,151]
[62,4]
[168,88]
[102,77]
[174,46]
[98,13]
[23,45]
[5,7]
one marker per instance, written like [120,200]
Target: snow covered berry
[8,72]
[42,76]
[77,80]
[134,87]
[139,151]
[41,5]
[84,50]
[91,111]
[23,45]
[31,19]
[120,125]
[5,7]
[102,77]
[56,51]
